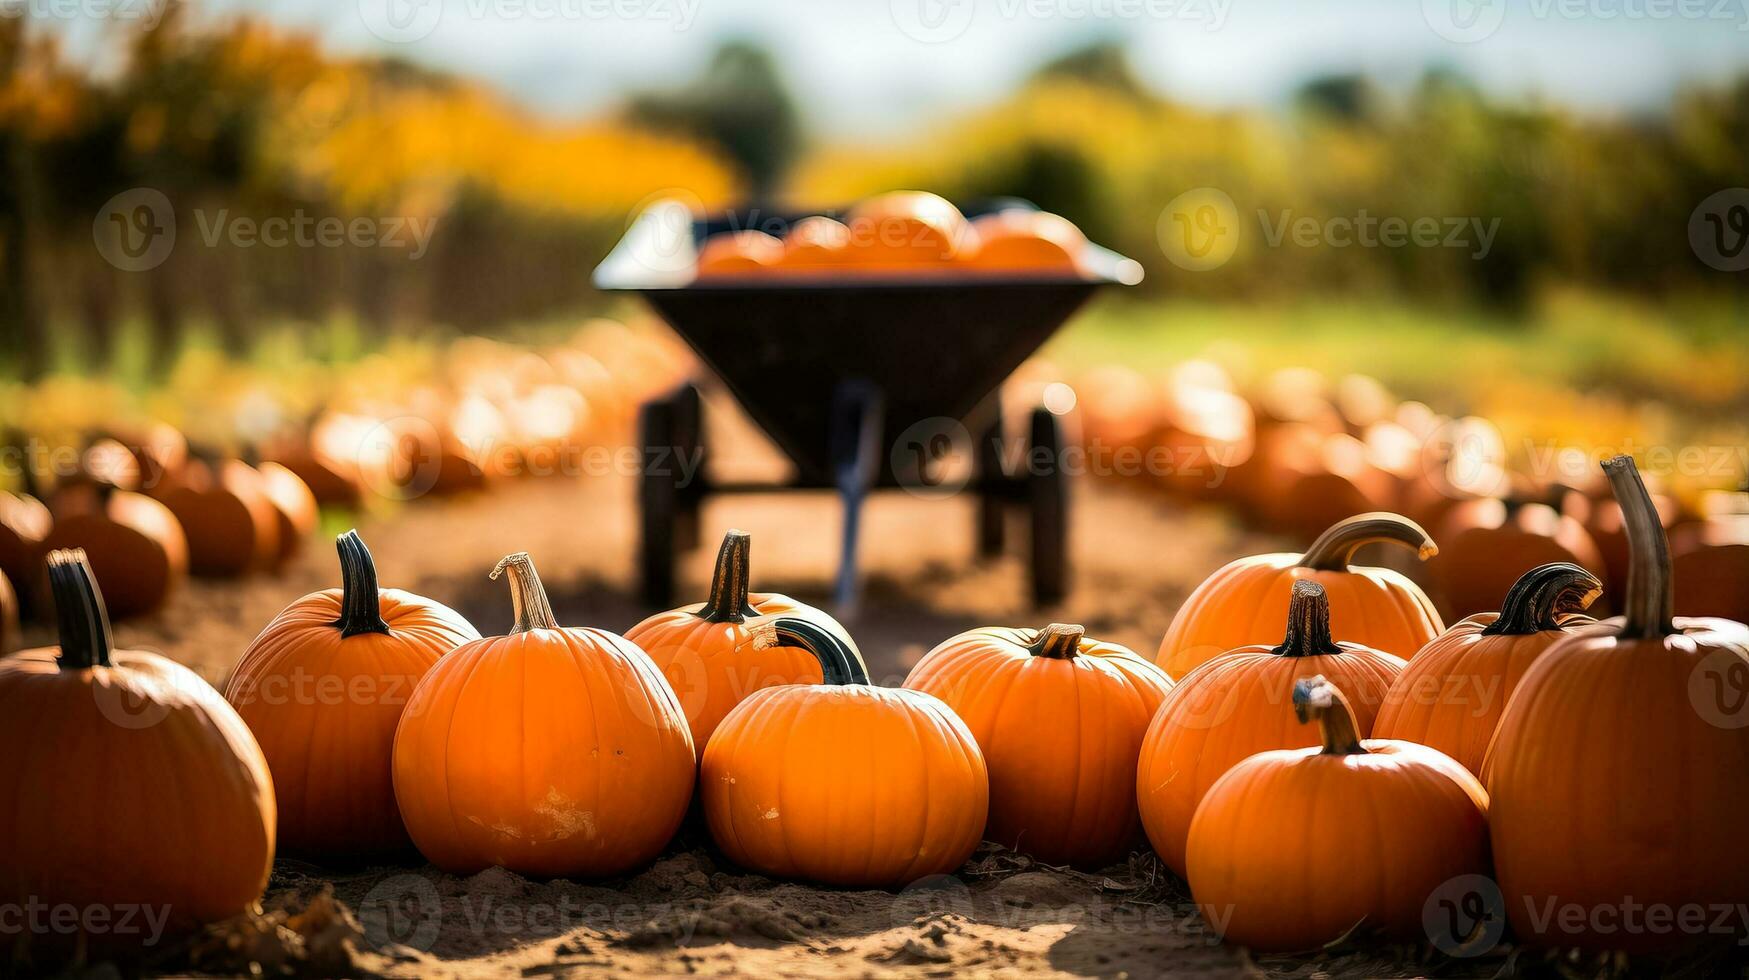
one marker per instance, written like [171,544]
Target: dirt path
[1135,558]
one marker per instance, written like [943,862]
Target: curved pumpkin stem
[728,599]
[1336,546]
[838,663]
[1541,596]
[1651,599]
[1308,622]
[360,602]
[1316,699]
[1058,641]
[528,598]
[79,612]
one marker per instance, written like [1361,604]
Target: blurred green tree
[741,104]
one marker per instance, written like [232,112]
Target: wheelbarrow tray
[935,345]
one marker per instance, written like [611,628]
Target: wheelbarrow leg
[1048,493]
[855,437]
[658,502]
[987,478]
[688,442]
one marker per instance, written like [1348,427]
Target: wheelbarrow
[832,368]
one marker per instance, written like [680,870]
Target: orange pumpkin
[1712,562]
[1020,240]
[224,510]
[814,245]
[1489,543]
[703,649]
[905,230]
[322,687]
[134,545]
[843,783]
[24,524]
[1453,692]
[294,507]
[738,253]
[131,784]
[552,751]
[8,615]
[1246,602]
[331,482]
[1059,718]
[1294,848]
[1234,706]
[1616,773]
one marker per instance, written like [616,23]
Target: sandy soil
[692,913]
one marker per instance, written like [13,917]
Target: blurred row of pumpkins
[1297,452]
[237,487]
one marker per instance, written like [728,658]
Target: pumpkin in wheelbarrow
[1020,240]
[906,230]
[738,253]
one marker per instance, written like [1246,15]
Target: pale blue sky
[858,70]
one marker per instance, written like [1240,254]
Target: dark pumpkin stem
[1058,641]
[1651,600]
[1336,546]
[839,664]
[79,611]
[1308,622]
[728,600]
[360,602]
[1541,596]
[528,598]
[1316,699]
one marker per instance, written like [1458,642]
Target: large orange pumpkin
[1246,602]
[551,751]
[322,687]
[130,786]
[1059,717]
[1236,705]
[1294,848]
[230,522]
[1454,691]
[1617,773]
[704,652]
[843,783]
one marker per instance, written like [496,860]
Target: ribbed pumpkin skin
[177,812]
[1605,752]
[1233,707]
[1245,603]
[854,786]
[1452,694]
[1294,847]
[1060,737]
[324,708]
[713,666]
[550,752]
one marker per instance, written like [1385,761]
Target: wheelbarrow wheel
[1048,503]
[658,502]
